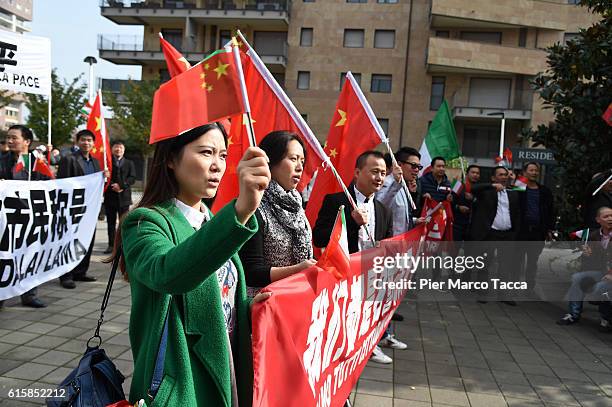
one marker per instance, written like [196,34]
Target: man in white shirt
[496,219]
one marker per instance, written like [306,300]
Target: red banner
[314,335]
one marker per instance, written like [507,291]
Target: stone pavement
[459,354]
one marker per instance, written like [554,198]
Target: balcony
[271,13]
[464,107]
[459,56]
[131,50]
[499,14]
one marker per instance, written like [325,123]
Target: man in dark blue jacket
[435,184]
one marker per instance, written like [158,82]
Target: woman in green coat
[182,262]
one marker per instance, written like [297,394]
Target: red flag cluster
[95,124]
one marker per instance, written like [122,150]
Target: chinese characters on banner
[322,330]
[46,228]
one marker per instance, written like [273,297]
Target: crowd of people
[193,276]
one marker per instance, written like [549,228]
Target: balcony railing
[518,107]
[122,43]
[135,43]
[257,5]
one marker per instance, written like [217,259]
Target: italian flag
[520,184]
[441,139]
[336,258]
[21,164]
[457,186]
[583,235]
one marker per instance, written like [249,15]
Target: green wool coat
[166,258]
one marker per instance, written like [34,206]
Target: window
[387,1]
[570,37]
[381,83]
[573,1]
[280,78]
[174,37]
[303,81]
[443,34]
[356,75]
[481,141]
[225,36]
[384,123]
[522,37]
[384,39]
[437,92]
[306,37]
[492,37]
[309,1]
[489,93]
[353,38]
[270,43]
[356,1]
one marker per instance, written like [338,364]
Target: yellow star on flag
[94,150]
[221,69]
[204,85]
[245,119]
[210,88]
[203,75]
[342,118]
[229,141]
[333,153]
[98,123]
[184,61]
[206,65]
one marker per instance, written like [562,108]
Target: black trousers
[81,269]
[500,245]
[113,213]
[530,252]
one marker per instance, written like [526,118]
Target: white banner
[46,228]
[25,63]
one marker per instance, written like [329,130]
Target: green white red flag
[441,139]
[336,257]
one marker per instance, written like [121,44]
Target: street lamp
[90,86]
[503,129]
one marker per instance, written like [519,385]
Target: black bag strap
[109,287]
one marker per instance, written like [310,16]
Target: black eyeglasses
[413,165]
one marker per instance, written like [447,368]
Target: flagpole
[49,128]
[243,91]
[602,185]
[104,139]
[316,146]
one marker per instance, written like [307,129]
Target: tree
[132,113]
[67,100]
[578,87]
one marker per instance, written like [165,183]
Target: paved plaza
[459,354]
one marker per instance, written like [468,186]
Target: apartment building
[408,55]
[15,16]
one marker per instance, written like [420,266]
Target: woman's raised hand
[253,178]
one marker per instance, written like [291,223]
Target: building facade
[408,55]
[15,16]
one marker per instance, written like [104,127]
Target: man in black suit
[538,221]
[75,165]
[118,195]
[370,172]
[496,218]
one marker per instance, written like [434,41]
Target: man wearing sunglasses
[394,196]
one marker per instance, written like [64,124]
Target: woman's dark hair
[161,184]
[275,145]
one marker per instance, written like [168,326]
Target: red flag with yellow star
[205,93]
[176,62]
[350,134]
[101,150]
[271,110]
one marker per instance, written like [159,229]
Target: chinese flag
[96,125]
[441,225]
[269,112]
[607,116]
[41,166]
[351,133]
[207,92]
[176,62]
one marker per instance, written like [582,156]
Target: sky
[73,27]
